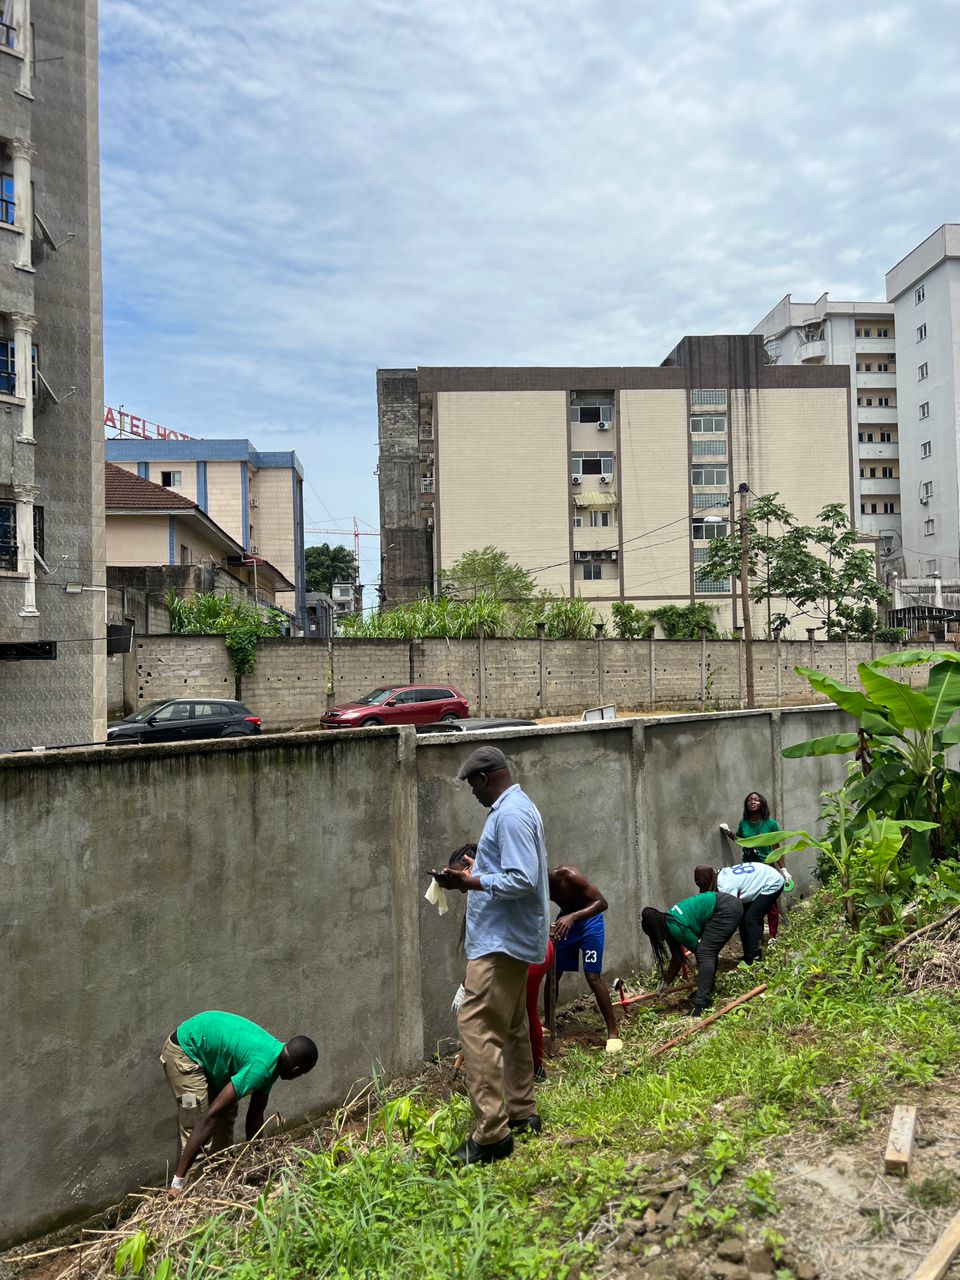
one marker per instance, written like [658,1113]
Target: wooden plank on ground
[900,1143]
[937,1262]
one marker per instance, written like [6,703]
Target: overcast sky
[296,194]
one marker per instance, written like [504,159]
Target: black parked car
[184,720]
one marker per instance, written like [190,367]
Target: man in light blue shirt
[508,916]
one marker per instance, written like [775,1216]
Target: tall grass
[448,619]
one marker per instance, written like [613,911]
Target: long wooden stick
[937,1262]
[654,995]
[920,933]
[705,1022]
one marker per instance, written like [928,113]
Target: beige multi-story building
[257,497]
[861,336]
[52,573]
[605,483]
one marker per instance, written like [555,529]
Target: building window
[921,332]
[713,500]
[926,489]
[883,333]
[885,437]
[704,476]
[867,403]
[865,437]
[711,586]
[873,508]
[600,520]
[925,409]
[8,536]
[591,464]
[926,449]
[922,371]
[931,566]
[185,556]
[709,397]
[709,448]
[593,409]
[873,473]
[592,571]
[171,479]
[889,508]
[882,366]
[8,370]
[704,530]
[862,333]
[929,526]
[707,424]
[883,402]
[39,533]
[8,204]
[578,522]
[919,294]
[886,473]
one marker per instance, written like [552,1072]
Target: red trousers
[535,975]
[773,919]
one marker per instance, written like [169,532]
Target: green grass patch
[389,1204]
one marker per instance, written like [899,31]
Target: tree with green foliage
[240,623]
[822,571]
[328,564]
[487,572]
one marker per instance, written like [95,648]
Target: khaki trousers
[191,1089]
[495,1041]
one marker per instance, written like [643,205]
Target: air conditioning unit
[576,479]
[613,555]
[605,479]
[604,426]
[583,555]
[254,502]
[254,550]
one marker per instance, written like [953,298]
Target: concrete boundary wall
[282,877]
[529,678]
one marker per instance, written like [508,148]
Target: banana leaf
[847,699]
[835,744]
[911,658]
[912,710]
[943,688]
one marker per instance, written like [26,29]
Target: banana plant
[900,745]
[869,854]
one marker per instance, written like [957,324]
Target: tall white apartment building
[860,335]
[924,292]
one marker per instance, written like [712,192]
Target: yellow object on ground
[614,1045]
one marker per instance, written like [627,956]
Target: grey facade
[51,378]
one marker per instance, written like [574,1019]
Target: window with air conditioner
[591,463]
[595,408]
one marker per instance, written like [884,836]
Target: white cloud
[294,195]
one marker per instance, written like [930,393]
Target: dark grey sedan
[185,720]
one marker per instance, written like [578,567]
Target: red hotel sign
[130,425]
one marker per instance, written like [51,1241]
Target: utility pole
[743,490]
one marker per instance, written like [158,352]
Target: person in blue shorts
[578,931]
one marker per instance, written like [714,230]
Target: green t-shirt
[687,920]
[747,829]
[231,1049]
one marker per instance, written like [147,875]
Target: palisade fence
[296,680]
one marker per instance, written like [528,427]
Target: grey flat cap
[483,760]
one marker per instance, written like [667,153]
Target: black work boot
[529,1124]
[471,1152]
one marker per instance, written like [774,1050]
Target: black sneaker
[471,1152]
[529,1124]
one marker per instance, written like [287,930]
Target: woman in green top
[704,924]
[756,821]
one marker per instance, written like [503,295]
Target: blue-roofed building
[257,497]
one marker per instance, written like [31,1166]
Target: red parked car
[399,704]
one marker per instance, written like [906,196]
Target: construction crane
[358,533]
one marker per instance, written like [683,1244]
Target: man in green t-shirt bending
[212,1061]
